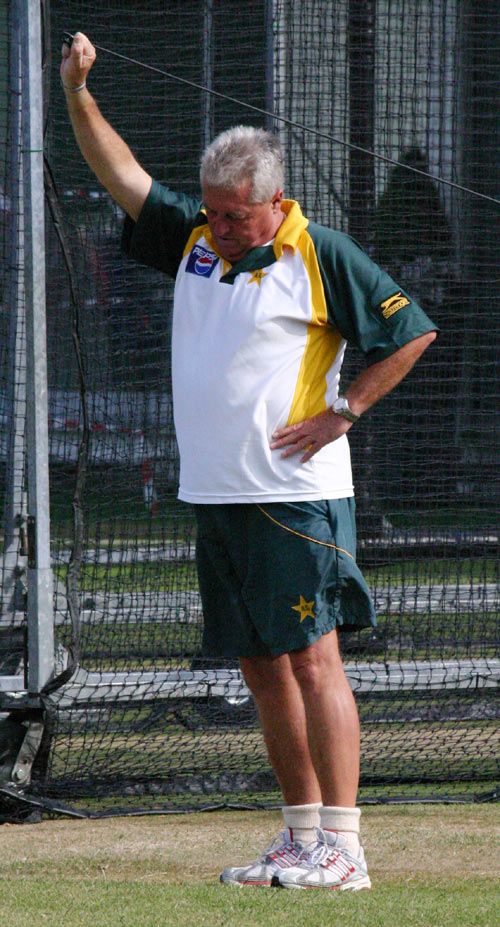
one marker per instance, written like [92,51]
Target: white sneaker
[282,854]
[327,865]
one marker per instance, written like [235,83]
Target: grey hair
[241,154]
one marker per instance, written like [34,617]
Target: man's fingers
[79,39]
[292,438]
[79,43]
[79,49]
[310,435]
[310,447]
[86,43]
[306,442]
[286,435]
[310,453]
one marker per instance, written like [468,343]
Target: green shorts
[276,577]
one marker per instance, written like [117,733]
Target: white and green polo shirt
[259,344]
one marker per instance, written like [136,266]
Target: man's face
[236,224]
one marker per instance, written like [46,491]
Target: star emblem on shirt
[257,276]
[305,609]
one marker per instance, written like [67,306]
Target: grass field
[431,866]
[152,575]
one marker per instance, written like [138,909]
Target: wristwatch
[341,407]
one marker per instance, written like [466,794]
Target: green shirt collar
[287,236]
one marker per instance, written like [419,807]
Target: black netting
[146,720]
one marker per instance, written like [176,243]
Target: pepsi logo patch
[201,262]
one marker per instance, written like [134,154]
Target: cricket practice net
[372,99]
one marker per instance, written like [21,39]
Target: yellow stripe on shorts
[299,534]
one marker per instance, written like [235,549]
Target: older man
[265,303]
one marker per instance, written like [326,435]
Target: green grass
[114,507]
[417,903]
[430,867]
[188,746]
[462,517]
[447,571]
[146,576]
[137,645]
[170,575]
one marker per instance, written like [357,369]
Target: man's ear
[276,200]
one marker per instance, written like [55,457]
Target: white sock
[343,821]
[302,820]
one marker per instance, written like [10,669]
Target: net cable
[68,37]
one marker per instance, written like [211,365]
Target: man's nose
[219,226]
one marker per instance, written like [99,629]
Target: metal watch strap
[344,411]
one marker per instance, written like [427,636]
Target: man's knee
[309,671]
[266,675]
[318,665]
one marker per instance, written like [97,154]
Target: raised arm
[105,152]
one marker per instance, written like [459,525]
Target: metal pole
[361,54]
[269,64]
[40,584]
[361,63]
[208,72]
[14,561]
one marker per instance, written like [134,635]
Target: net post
[270,90]
[208,73]
[361,57]
[40,584]
[14,515]
[361,22]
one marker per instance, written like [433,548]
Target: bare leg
[332,719]
[281,710]
[309,721]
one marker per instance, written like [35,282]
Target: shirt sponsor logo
[201,262]
[393,304]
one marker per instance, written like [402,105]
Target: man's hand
[368,388]
[105,152]
[77,61]
[310,435]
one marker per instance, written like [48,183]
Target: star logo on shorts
[257,276]
[305,609]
